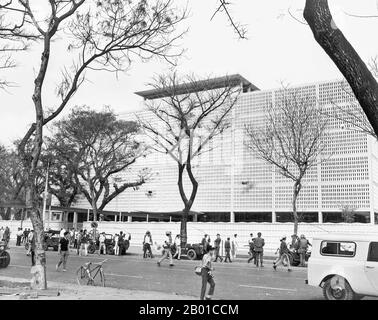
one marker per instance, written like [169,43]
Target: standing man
[102,243]
[63,251]
[32,239]
[234,246]
[19,236]
[167,249]
[227,249]
[6,236]
[251,251]
[204,244]
[302,249]
[283,255]
[147,243]
[217,243]
[207,275]
[84,243]
[258,244]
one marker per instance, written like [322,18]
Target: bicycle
[86,275]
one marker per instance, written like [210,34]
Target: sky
[278,49]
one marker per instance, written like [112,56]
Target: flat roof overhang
[202,85]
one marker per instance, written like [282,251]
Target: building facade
[236,186]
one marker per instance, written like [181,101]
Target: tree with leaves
[291,139]
[186,113]
[92,149]
[103,35]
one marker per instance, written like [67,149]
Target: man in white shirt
[234,246]
[207,275]
[19,236]
[61,234]
[102,243]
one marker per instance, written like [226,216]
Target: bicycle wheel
[83,278]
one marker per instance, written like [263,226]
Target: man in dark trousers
[258,244]
[63,251]
[204,244]
[167,249]
[217,243]
[227,249]
[251,252]
[207,275]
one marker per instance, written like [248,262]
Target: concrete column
[88,215]
[115,218]
[195,218]
[372,217]
[75,220]
[147,218]
[129,219]
[120,217]
[274,217]
[232,216]
[320,217]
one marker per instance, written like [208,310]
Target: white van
[344,265]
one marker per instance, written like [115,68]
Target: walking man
[207,274]
[283,255]
[251,251]
[227,249]
[63,251]
[167,249]
[259,244]
[217,243]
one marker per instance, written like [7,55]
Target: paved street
[237,280]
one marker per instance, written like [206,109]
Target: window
[335,248]
[373,252]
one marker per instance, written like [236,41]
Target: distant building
[235,186]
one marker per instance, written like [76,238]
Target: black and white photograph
[188,156]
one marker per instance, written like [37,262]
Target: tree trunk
[347,60]
[296,190]
[183,227]
[38,271]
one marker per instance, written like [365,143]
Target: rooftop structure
[202,85]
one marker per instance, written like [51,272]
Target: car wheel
[192,255]
[344,292]
[110,250]
[91,249]
[4,259]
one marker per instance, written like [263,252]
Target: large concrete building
[235,186]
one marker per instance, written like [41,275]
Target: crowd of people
[80,240]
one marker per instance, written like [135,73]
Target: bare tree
[103,35]
[348,213]
[351,115]
[186,114]
[291,139]
[223,6]
[345,57]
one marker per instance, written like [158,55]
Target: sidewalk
[18,289]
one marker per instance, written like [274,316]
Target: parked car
[52,238]
[109,244]
[4,255]
[192,251]
[344,266]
